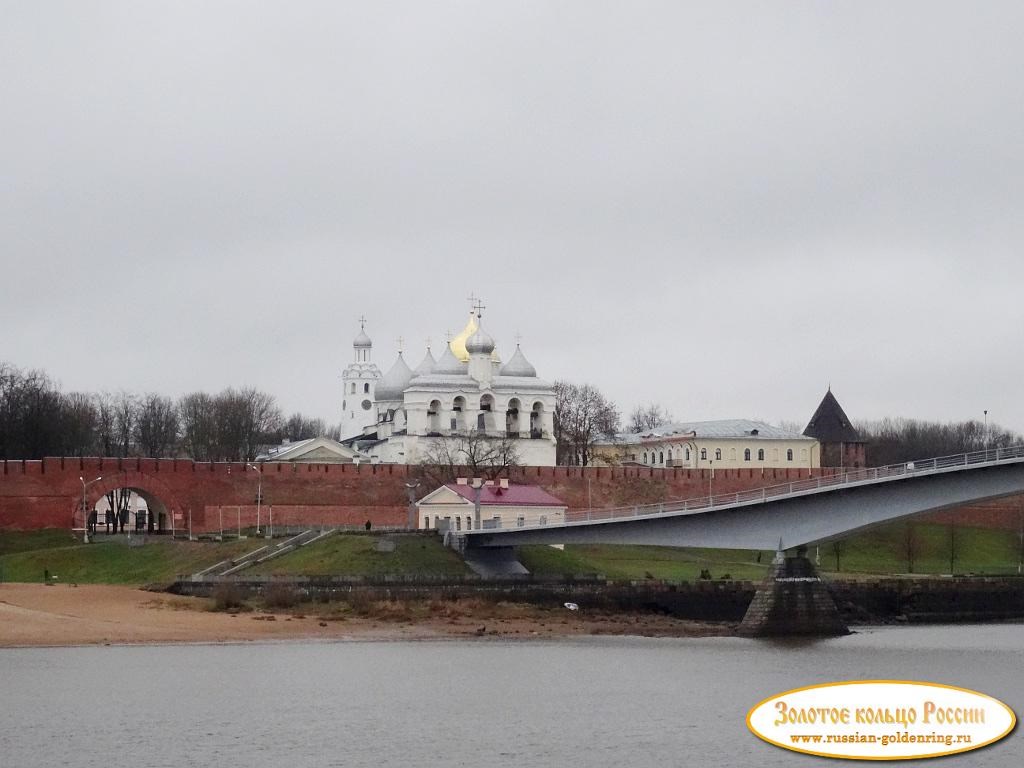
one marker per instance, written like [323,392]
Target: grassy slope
[355,555]
[633,562]
[111,563]
[880,551]
[25,555]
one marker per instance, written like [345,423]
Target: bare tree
[582,416]
[156,425]
[198,422]
[894,441]
[648,416]
[910,544]
[247,421]
[125,407]
[81,424]
[299,427]
[473,453]
[838,547]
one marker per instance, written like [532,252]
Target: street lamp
[410,488]
[259,496]
[986,431]
[85,514]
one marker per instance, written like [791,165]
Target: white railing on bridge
[802,487]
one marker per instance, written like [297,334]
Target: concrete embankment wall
[914,600]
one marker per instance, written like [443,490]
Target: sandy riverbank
[60,615]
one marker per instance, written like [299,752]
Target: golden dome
[458,344]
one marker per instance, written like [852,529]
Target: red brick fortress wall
[47,494]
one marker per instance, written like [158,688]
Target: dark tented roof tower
[830,424]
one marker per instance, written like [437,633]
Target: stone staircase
[262,554]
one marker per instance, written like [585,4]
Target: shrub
[281,596]
[228,597]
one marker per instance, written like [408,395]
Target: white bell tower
[359,384]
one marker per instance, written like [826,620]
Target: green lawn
[634,562]
[26,541]
[25,556]
[880,551]
[356,555]
[885,550]
[158,560]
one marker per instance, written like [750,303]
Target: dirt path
[39,615]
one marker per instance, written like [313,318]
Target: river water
[583,703]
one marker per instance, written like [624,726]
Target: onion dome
[480,343]
[448,364]
[518,366]
[362,341]
[458,344]
[394,382]
[427,365]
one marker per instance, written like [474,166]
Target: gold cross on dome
[362,322]
[479,307]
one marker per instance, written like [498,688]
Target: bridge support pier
[792,601]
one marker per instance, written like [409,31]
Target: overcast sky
[720,207]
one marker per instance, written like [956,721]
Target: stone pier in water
[792,601]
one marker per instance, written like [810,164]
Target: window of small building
[789,454]
[718,454]
[746,454]
[426,521]
[760,454]
[703,454]
[520,521]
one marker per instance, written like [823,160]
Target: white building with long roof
[722,444]
[400,416]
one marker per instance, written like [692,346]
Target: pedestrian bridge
[803,512]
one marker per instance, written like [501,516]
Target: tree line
[37,419]
[897,440]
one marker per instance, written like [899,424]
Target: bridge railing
[851,477]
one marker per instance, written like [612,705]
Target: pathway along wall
[48,493]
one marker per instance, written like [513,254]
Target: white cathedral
[396,417]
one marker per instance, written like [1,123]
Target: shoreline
[60,616]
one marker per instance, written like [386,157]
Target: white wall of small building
[460,516]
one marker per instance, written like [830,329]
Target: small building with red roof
[453,506]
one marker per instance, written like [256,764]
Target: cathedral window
[352,390]
[746,454]
[670,454]
[367,405]
[366,389]
[645,458]
[687,454]
[661,457]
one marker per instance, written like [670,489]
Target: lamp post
[410,489]
[986,431]
[85,514]
[259,496]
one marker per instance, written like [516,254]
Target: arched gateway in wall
[159,498]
